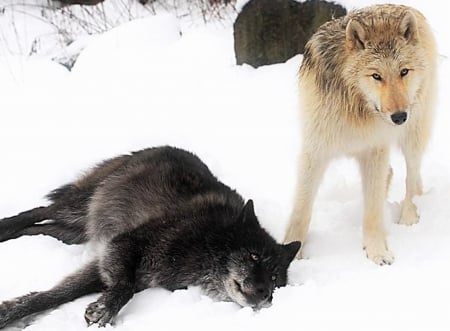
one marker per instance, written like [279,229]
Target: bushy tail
[85,281]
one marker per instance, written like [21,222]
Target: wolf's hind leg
[70,235]
[85,281]
[408,212]
[413,143]
[374,167]
[26,223]
[11,227]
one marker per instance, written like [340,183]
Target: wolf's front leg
[374,166]
[109,304]
[118,271]
[311,169]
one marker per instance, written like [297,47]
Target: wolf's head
[256,263]
[386,60]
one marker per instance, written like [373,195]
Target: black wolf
[161,219]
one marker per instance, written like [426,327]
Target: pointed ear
[291,249]
[408,27]
[248,213]
[355,35]
[249,207]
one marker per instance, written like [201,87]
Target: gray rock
[273,31]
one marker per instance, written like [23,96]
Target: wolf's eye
[404,72]
[376,76]
[274,277]
[254,256]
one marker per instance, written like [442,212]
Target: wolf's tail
[85,281]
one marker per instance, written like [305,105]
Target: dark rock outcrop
[273,31]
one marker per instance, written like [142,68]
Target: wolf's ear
[248,213]
[291,249]
[355,35]
[408,27]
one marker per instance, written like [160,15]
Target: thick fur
[367,81]
[162,219]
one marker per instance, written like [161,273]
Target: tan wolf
[367,81]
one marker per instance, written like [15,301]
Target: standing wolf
[367,80]
[166,221]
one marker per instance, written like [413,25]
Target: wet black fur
[165,221]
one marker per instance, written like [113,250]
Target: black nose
[263,293]
[399,117]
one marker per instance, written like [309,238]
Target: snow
[155,81]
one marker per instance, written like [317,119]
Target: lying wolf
[163,220]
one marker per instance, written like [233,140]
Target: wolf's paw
[97,312]
[408,213]
[379,255]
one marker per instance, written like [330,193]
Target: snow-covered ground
[146,84]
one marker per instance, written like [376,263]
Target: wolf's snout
[262,298]
[399,117]
[262,293]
